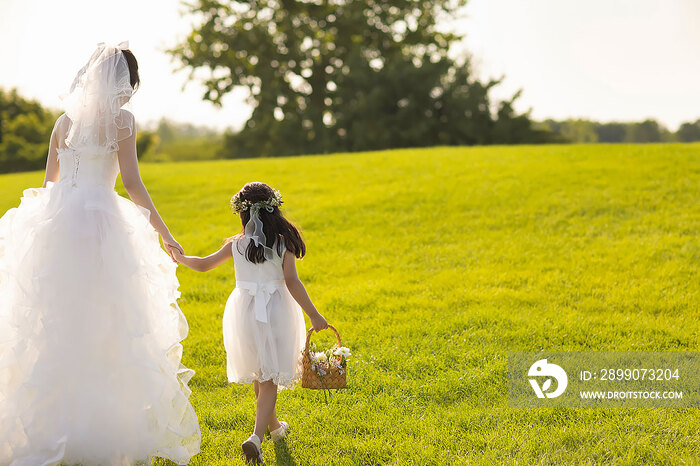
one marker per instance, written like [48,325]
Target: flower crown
[239,205]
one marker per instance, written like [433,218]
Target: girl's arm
[52,168]
[203,264]
[298,291]
[129,168]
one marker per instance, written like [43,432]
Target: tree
[12,105]
[611,132]
[576,131]
[25,129]
[329,75]
[689,132]
[145,142]
[646,131]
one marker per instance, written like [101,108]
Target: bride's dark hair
[274,224]
[134,78]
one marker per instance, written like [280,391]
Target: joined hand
[171,245]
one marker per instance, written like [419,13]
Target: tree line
[25,129]
[589,131]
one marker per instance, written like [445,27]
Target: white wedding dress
[90,329]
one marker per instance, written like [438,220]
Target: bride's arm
[129,167]
[52,169]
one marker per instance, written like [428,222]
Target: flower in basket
[342,351]
[319,362]
[334,358]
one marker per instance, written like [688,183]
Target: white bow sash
[260,293]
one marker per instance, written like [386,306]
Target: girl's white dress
[264,330]
[90,328]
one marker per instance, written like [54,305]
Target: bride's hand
[175,254]
[170,245]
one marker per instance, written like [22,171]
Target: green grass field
[433,264]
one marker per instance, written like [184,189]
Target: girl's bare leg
[266,413]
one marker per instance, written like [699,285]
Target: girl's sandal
[252,449]
[281,432]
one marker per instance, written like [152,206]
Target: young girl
[264,330]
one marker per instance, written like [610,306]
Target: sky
[600,59]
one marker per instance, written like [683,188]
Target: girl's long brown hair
[274,225]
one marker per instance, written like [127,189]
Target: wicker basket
[310,379]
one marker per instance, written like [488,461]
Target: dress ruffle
[90,334]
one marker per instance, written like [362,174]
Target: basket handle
[312,330]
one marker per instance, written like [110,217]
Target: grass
[433,264]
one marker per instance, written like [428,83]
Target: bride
[90,329]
